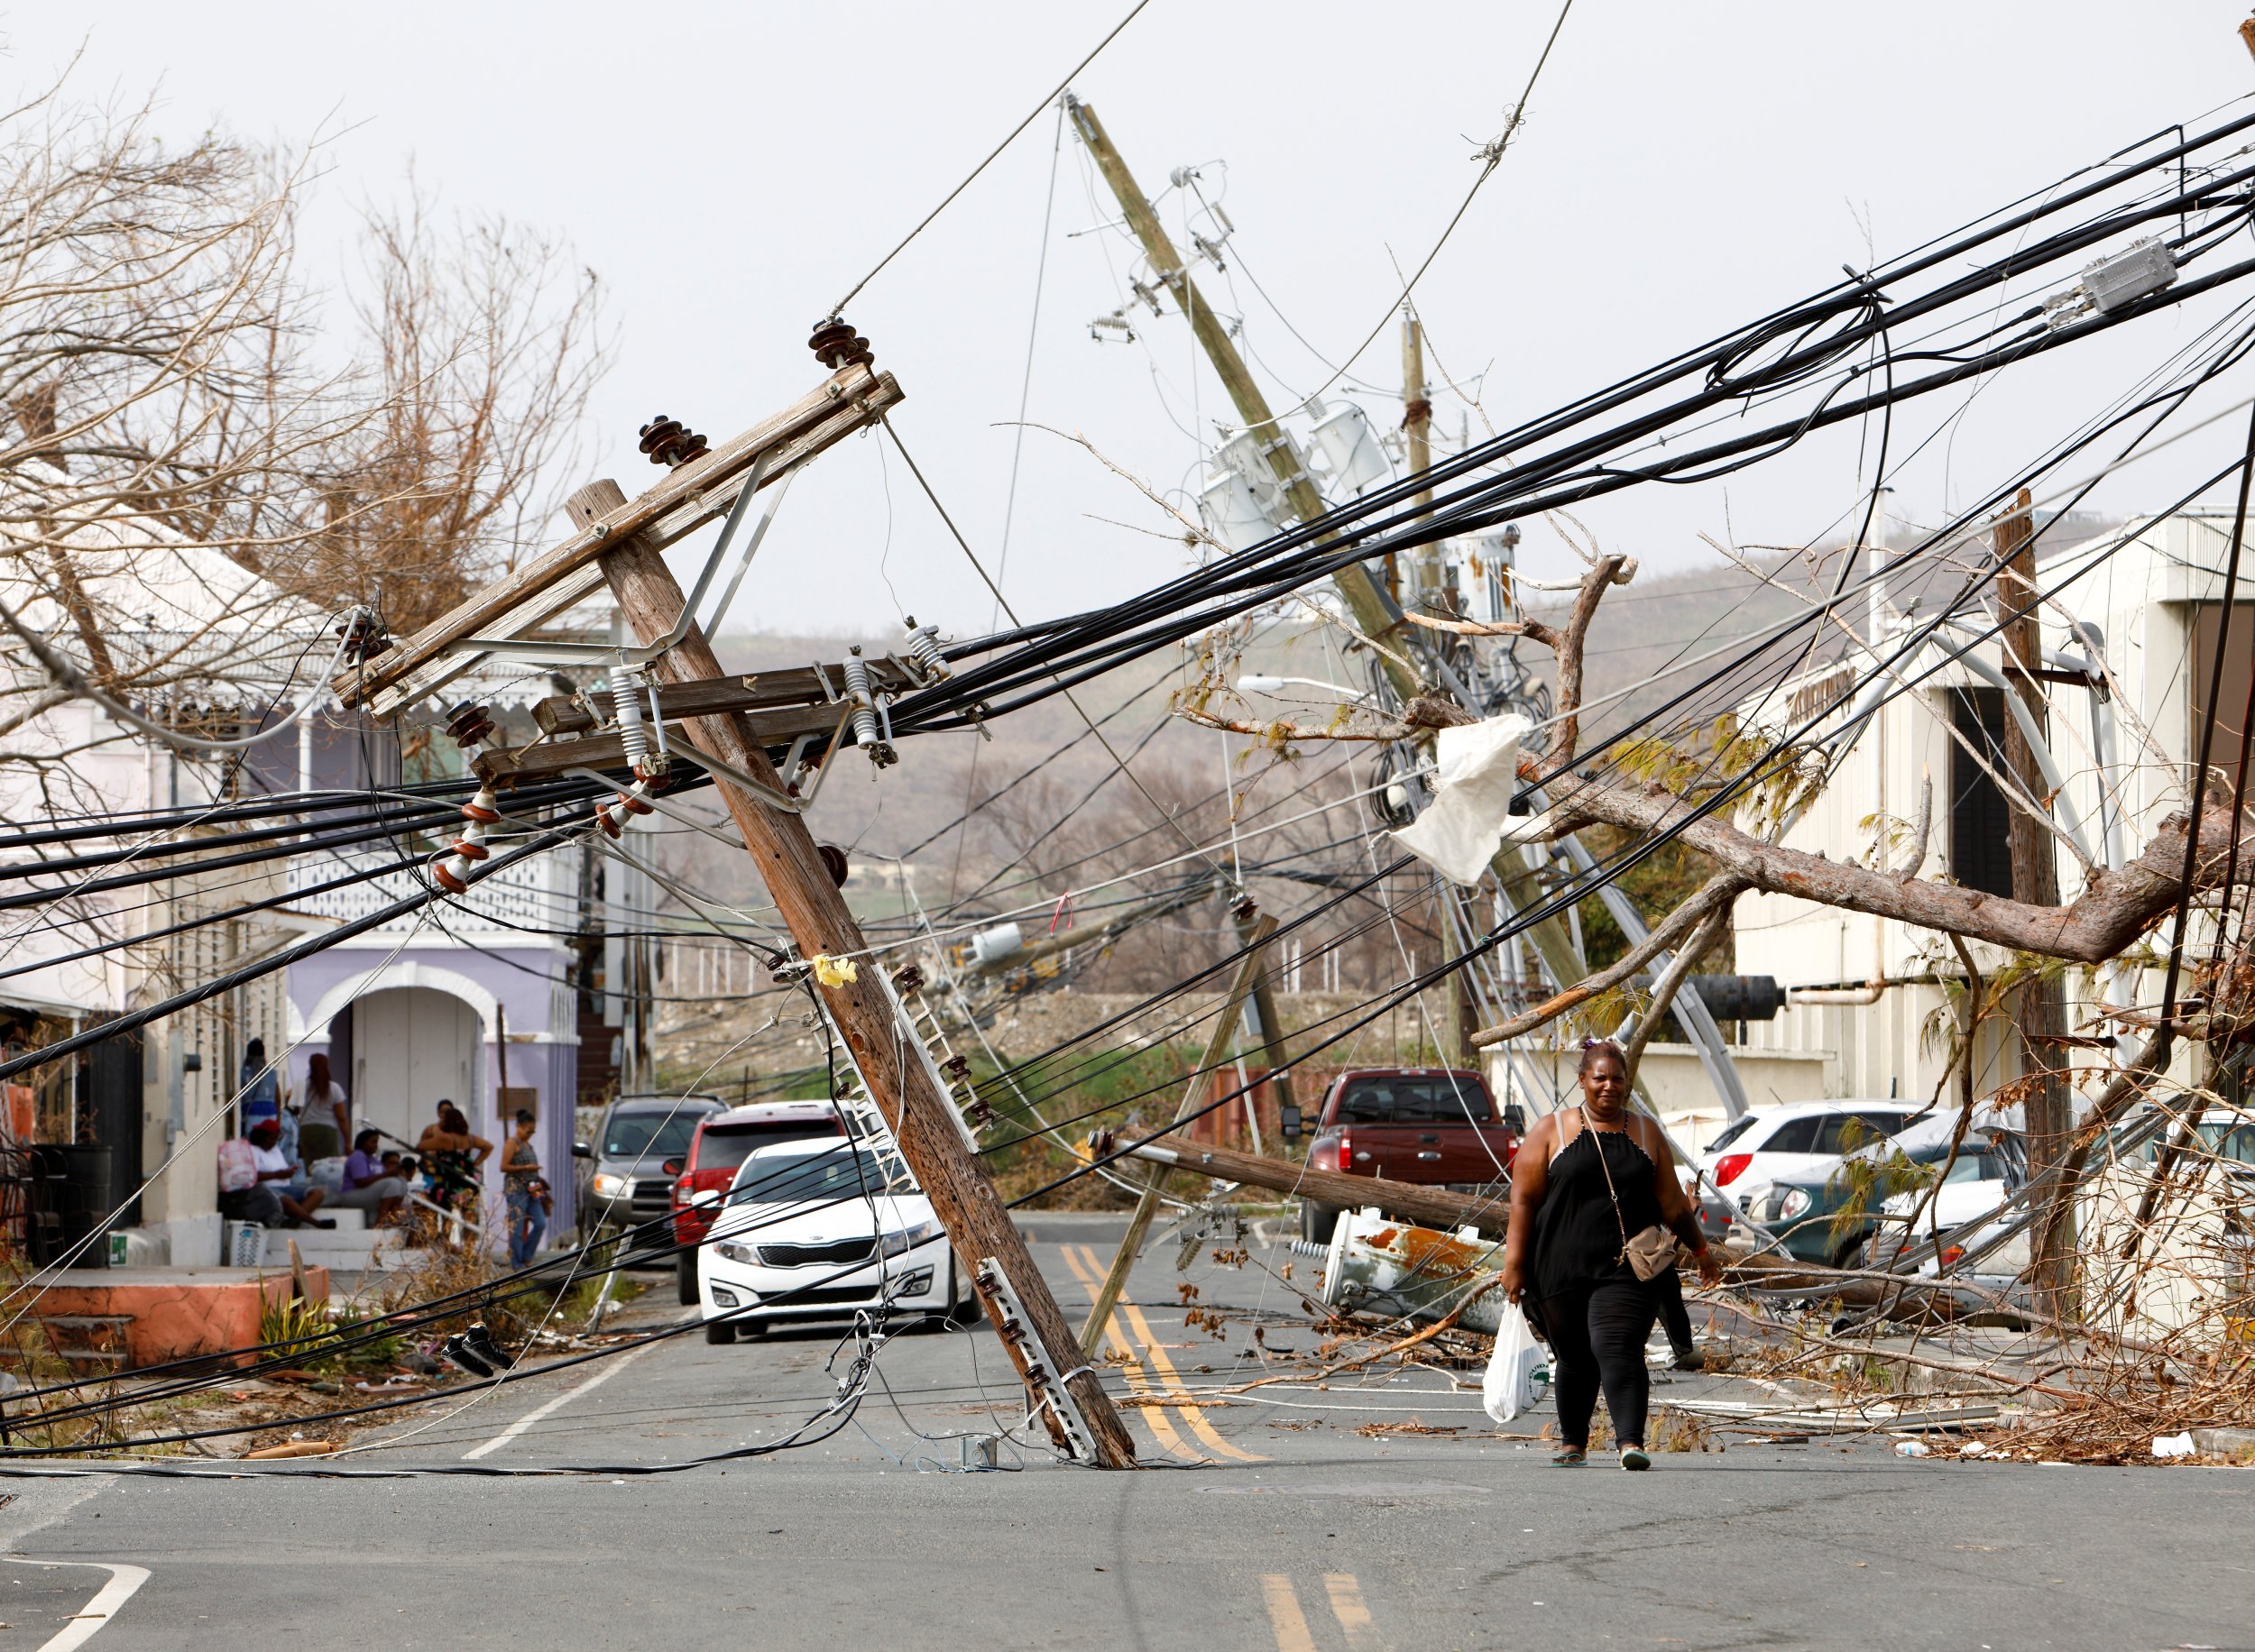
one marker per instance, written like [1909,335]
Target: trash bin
[70,1203]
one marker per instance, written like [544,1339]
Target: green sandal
[1573,1456]
[1634,1457]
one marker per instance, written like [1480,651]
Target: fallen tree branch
[2112,910]
[1718,891]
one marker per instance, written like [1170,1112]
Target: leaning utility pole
[920,1115]
[2042,1014]
[621,543]
[1374,613]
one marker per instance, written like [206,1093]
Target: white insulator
[866,732]
[627,707]
[923,644]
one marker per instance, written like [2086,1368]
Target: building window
[2239,662]
[1980,850]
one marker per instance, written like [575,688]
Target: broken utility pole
[621,543]
[919,1114]
[1373,613]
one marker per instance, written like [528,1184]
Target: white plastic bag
[1510,1387]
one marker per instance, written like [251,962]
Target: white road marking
[539,1411]
[91,1619]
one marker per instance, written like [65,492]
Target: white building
[2123,748]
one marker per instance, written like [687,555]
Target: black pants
[1598,1334]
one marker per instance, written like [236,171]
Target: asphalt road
[1273,1526]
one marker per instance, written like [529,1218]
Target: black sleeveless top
[1577,1236]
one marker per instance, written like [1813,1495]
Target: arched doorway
[412,1045]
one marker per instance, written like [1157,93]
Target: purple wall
[520,981]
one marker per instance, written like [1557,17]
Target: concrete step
[356,1249]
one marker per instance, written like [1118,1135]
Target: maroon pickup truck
[1431,1124]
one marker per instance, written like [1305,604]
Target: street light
[1270,686]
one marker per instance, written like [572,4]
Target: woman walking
[525,1191]
[1595,1206]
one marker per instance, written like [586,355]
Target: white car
[1793,1140]
[1978,1181]
[820,1229]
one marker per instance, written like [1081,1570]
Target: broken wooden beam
[821,687]
[1407,1201]
[689,496]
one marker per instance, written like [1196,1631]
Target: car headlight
[608,1186]
[908,1238]
[1794,1204]
[734,1252]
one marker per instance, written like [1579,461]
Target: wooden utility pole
[2041,1015]
[918,1113]
[1417,422]
[1253,938]
[1374,613]
[1200,1080]
[1429,586]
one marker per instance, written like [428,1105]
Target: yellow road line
[1192,1415]
[1162,1428]
[1283,1614]
[1354,1617]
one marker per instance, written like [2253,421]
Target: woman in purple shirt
[366,1186]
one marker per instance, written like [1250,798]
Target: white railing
[541,894]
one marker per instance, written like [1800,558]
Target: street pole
[1374,613]
[2042,1014]
[1253,938]
[918,1112]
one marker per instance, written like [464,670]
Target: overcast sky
[729,170]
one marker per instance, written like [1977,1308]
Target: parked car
[721,1143]
[1816,1217]
[1433,1124]
[820,1229]
[637,1154]
[1800,1138]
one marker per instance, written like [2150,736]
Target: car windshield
[724,1147]
[783,1179]
[1974,1167]
[1731,1133]
[644,1131]
[1435,1100]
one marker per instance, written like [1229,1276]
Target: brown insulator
[833,861]
[669,442]
[835,345]
[469,723]
[444,875]
[957,1067]
[906,979]
[365,637]
[1245,909]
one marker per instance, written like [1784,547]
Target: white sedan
[823,1229]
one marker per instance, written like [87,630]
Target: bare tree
[484,341]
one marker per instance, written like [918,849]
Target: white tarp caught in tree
[1475,771]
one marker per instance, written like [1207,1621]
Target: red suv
[723,1140]
[1431,1124]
